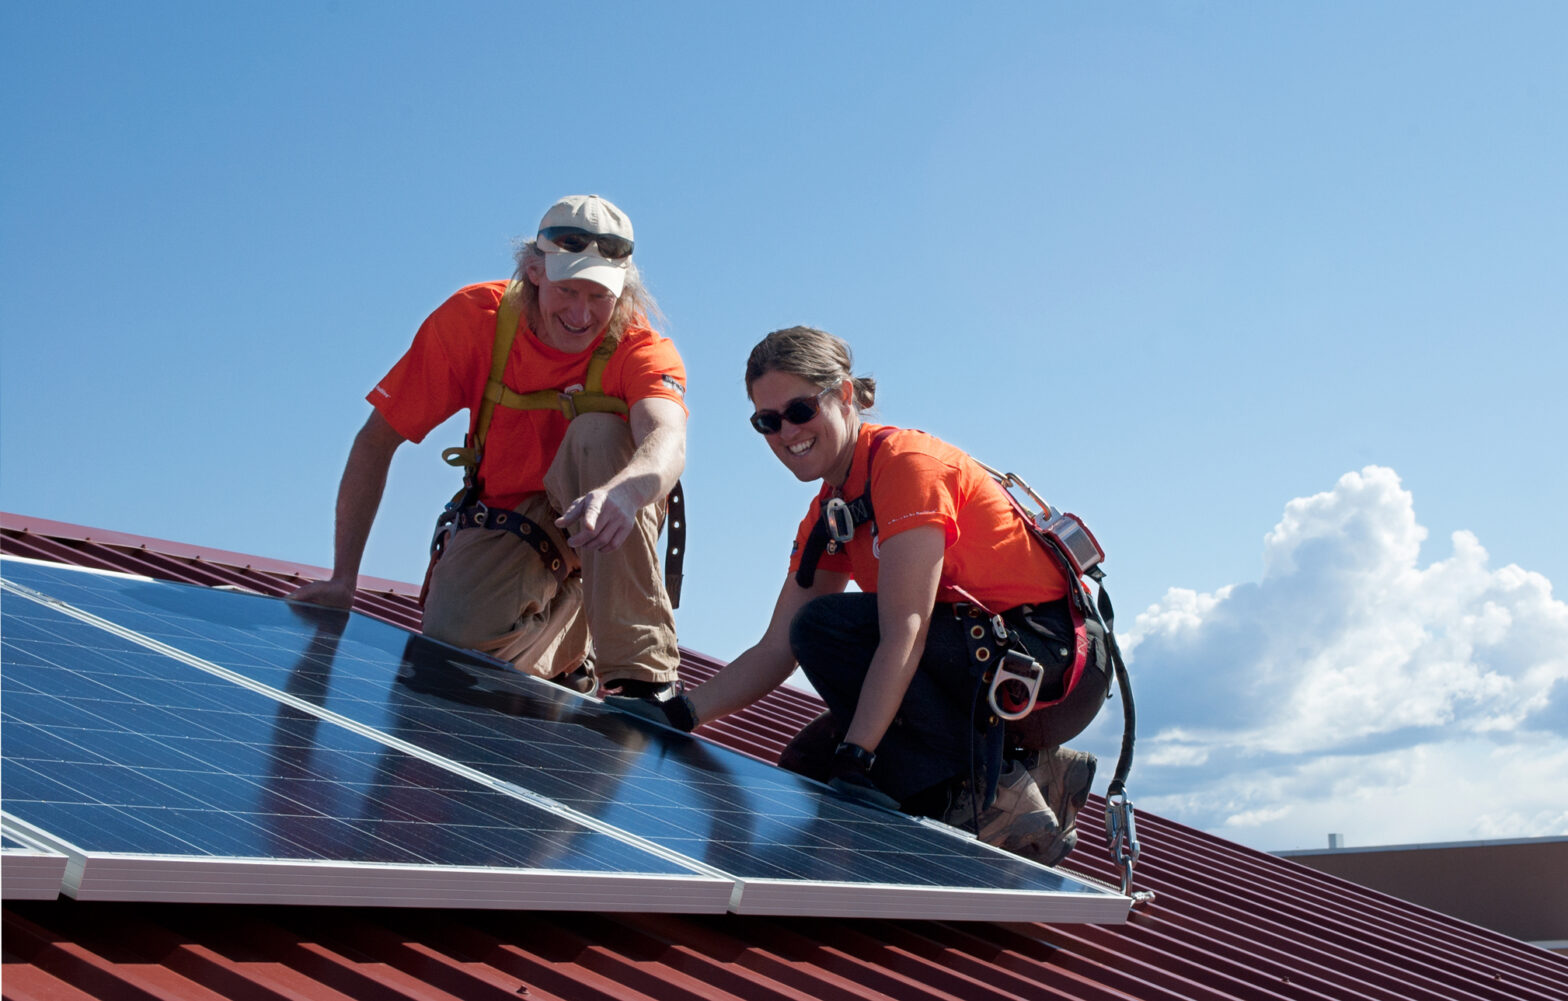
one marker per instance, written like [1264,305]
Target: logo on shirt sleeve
[674,383]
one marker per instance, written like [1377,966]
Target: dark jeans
[944,733]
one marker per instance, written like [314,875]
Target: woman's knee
[833,638]
[835,625]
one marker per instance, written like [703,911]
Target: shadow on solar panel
[183,743]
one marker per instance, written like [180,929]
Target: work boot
[580,679]
[648,691]
[1016,821]
[1064,777]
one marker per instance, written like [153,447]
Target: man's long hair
[635,308]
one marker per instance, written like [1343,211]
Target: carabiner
[1121,835]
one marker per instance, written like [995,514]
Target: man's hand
[676,711]
[851,777]
[603,518]
[329,593]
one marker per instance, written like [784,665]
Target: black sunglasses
[796,411]
[575,241]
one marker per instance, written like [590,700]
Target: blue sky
[1271,294]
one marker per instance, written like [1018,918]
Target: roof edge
[81,533]
[1418,847]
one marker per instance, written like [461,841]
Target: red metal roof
[1227,922]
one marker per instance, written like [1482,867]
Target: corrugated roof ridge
[1026,952]
[1124,947]
[1385,916]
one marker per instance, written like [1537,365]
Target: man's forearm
[654,467]
[359,495]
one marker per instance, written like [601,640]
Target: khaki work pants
[491,592]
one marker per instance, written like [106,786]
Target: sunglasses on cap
[575,241]
[796,411]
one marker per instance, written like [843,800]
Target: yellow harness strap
[591,399]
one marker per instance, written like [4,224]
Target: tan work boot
[1064,777]
[1018,820]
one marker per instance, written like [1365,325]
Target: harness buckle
[999,627]
[445,526]
[569,402]
[840,522]
[1015,685]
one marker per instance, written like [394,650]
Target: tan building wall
[1519,888]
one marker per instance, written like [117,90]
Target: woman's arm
[769,661]
[907,584]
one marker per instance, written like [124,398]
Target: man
[552,545]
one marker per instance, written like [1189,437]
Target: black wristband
[852,758]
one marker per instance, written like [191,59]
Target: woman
[903,665]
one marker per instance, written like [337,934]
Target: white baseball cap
[585,236]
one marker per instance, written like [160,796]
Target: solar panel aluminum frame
[122,876]
[28,870]
[781,898]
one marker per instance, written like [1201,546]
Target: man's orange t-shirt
[446,368]
[919,480]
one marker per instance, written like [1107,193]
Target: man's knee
[595,448]
[482,586]
[593,436]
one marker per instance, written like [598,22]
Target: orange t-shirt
[446,368]
[919,480]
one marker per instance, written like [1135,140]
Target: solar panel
[333,711]
[163,782]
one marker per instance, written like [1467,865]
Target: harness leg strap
[524,528]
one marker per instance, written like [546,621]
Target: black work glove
[851,777]
[673,709]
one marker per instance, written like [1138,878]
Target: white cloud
[1351,690]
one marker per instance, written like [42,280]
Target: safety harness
[1016,676]
[465,510]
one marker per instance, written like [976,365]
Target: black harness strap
[839,519]
[674,543]
[532,536]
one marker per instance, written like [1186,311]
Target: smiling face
[572,313]
[821,448]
